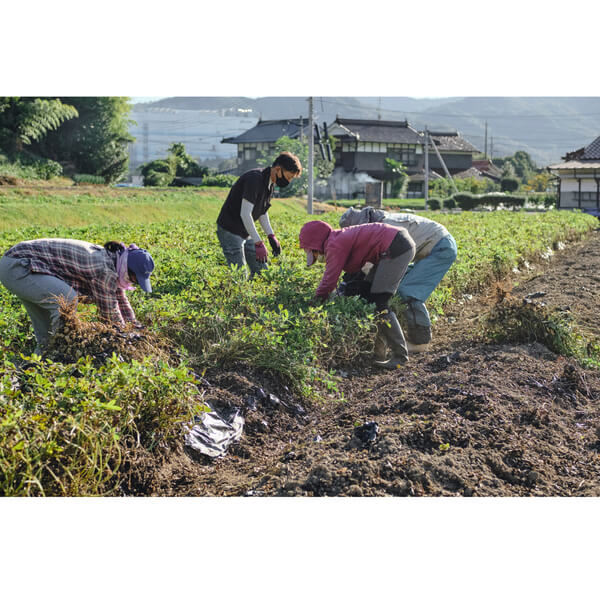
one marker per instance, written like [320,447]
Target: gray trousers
[239,251]
[38,294]
[386,276]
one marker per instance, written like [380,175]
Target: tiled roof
[589,164]
[452,141]
[421,175]
[380,131]
[471,172]
[270,131]
[592,151]
[487,167]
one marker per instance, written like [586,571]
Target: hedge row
[469,201]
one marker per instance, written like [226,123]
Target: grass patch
[29,207]
[388,203]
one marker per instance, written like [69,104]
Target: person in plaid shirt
[41,271]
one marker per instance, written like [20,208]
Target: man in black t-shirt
[249,200]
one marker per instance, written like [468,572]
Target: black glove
[275,245]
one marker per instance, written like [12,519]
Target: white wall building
[579,178]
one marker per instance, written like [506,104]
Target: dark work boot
[380,347]
[418,339]
[392,331]
[416,321]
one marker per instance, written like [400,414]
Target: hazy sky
[145,99]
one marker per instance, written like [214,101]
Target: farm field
[503,404]
[88,205]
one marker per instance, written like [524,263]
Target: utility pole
[146,144]
[441,160]
[301,129]
[311,155]
[485,153]
[426,166]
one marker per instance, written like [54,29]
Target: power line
[520,139]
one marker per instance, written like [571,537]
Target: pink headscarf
[123,274]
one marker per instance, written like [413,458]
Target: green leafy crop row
[74,429]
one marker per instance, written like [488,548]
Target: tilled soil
[466,418]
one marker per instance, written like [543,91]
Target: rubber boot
[416,321]
[380,347]
[391,330]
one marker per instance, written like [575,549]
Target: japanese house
[579,178]
[361,150]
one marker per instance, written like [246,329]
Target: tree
[24,120]
[540,182]
[162,172]
[508,169]
[97,141]
[185,165]
[520,165]
[400,178]
[509,184]
[524,166]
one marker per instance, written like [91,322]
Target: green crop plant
[79,428]
[68,429]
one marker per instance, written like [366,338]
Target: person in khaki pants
[42,271]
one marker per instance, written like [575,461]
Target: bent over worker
[435,253]
[42,271]
[382,251]
[249,200]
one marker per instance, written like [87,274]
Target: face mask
[282,182]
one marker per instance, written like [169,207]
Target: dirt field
[464,419]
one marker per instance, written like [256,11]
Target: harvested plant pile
[79,338]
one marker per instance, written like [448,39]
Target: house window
[406,155]
[249,154]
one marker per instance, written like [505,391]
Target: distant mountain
[545,127]
[200,103]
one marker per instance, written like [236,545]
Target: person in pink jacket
[383,253]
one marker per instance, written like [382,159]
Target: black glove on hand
[275,245]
